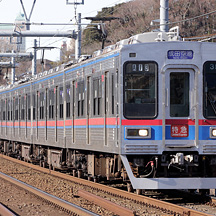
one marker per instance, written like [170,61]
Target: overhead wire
[180,21]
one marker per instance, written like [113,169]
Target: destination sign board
[180,54]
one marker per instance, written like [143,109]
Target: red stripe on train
[180,121]
[142,122]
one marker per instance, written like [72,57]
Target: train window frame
[68,100]
[80,95]
[206,98]
[28,96]
[8,109]
[22,116]
[61,102]
[34,106]
[51,103]
[97,95]
[3,110]
[41,105]
[179,94]
[143,68]
[16,108]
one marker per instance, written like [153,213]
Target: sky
[51,11]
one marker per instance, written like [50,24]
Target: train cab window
[179,94]
[140,90]
[209,94]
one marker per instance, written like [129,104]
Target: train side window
[41,114]
[12,110]
[97,96]
[73,98]
[68,92]
[112,94]
[209,89]
[34,106]
[29,107]
[8,109]
[16,109]
[3,108]
[56,102]
[80,98]
[140,90]
[22,108]
[51,104]
[61,102]
[19,107]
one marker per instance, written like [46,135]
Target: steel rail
[117,209]
[116,192]
[4,211]
[48,197]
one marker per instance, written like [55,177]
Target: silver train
[143,110]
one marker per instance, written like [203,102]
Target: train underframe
[98,165]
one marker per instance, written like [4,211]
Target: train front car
[169,114]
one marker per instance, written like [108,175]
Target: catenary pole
[164,15]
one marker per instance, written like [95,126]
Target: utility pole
[164,15]
[13,69]
[34,60]
[78,38]
[27,18]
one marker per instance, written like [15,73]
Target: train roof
[147,37]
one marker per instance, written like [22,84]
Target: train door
[88,109]
[106,98]
[46,112]
[19,116]
[6,116]
[26,113]
[37,111]
[180,108]
[73,111]
[56,113]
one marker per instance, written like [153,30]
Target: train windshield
[140,90]
[209,70]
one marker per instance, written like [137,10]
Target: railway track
[62,204]
[143,200]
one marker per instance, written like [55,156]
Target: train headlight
[212,132]
[143,132]
[138,133]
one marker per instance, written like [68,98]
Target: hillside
[135,17]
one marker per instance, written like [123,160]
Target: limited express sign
[179,130]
